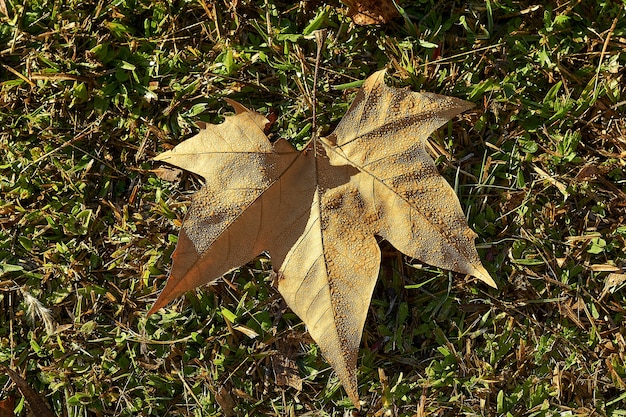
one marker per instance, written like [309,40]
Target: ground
[91,91]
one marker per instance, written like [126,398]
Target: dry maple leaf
[318,212]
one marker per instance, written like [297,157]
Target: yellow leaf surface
[318,212]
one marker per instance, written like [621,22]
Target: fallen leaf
[168,173]
[286,372]
[318,212]
[225,401]
[371,12]
[612,283]
[3,8]
[588,172]
[284,364]
[7,407]
[36,403]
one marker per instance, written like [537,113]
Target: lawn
[91,91]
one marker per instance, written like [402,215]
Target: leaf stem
[320,37]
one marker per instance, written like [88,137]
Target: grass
[91,91]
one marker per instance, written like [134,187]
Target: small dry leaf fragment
[3,8]
[168,173]
[318,212]
[371,12]
[588,172]
[286,372]
[613,281]
[225,401]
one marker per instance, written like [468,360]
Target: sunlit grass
[91,91]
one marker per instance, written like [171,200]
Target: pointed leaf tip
[237,106]
[481,273]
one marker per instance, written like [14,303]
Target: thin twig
[604,46]
[23,77]
[82,135]
[461,54]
